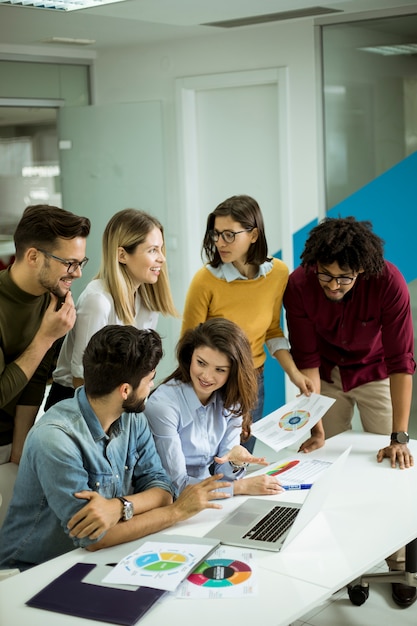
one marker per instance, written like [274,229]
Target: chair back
[8,473]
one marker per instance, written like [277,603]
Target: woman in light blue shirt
[197,414]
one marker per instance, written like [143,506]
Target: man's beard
[134,405]
[54,288]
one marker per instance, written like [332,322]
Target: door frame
[186,92]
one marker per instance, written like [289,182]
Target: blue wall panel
[390,203]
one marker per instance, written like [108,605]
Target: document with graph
[291,422]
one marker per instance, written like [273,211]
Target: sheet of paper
[157,565]
[297,471]
[292,421]
[226,573]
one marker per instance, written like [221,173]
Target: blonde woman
[131,288]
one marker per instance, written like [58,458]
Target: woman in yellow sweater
[241,283]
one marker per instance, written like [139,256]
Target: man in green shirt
[36,309]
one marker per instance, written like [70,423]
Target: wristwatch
[400,437]
[127,509]
[237,468]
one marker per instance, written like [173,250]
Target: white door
[233,140]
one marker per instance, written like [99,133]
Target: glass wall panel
[49,81]
[370,123]
[29,155]
[29,168]
[370,110]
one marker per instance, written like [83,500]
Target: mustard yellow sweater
[255,305]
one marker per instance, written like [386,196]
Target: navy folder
[69,594]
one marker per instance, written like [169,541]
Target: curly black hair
[349,243]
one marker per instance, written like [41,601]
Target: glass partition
[370,100]
[29,168]
[370,143]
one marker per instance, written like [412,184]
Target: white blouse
[95,309]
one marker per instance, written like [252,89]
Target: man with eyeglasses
[36,310]
[351,331]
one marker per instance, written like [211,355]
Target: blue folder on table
[70,595]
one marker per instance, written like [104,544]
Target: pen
[299,486]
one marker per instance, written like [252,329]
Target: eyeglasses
[227,235]
[340,280]
[72,266]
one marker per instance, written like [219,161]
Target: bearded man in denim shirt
[90,475]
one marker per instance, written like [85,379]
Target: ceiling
[24,30]
[144,21]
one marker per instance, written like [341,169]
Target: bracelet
[236,467]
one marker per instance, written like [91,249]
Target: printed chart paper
[292,421]
[297,471]
[157,565]
[226,573]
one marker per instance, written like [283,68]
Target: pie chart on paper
[220,573]
[294,420]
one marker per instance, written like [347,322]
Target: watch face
[128,510]
[401,437]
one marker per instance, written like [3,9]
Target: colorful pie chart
[294,420]
[220,573]
[158,561]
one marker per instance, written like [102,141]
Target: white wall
[149,73]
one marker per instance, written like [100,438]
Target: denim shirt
[65,452]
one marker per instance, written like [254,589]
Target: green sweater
[20,318]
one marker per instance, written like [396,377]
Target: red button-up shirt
[368,335]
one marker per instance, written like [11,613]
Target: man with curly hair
[351,332]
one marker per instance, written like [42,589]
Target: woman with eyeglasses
[240,282]
[131,288]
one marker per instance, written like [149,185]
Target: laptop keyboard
[273,524]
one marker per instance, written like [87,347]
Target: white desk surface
[370,515]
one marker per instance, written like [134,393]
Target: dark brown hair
[42,224]
[246,211]
[240,392]
[119,354]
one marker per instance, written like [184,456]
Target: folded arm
[164,513]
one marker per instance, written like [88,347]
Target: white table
[358,527]
[370,516]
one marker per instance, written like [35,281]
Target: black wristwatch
[400,437]
[237,468]
[127,509]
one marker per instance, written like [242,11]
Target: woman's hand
[238,455]
[263,485]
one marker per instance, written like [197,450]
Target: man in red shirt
[351,332]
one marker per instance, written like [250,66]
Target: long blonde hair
[127,229]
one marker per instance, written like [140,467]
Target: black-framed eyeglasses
[341,280]
[227,235]
[71,266]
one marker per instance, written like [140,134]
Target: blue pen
[300,486]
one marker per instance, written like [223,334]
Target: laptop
[267,525]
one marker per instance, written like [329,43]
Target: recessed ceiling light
[69,41]
[60,5]
[395,49]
